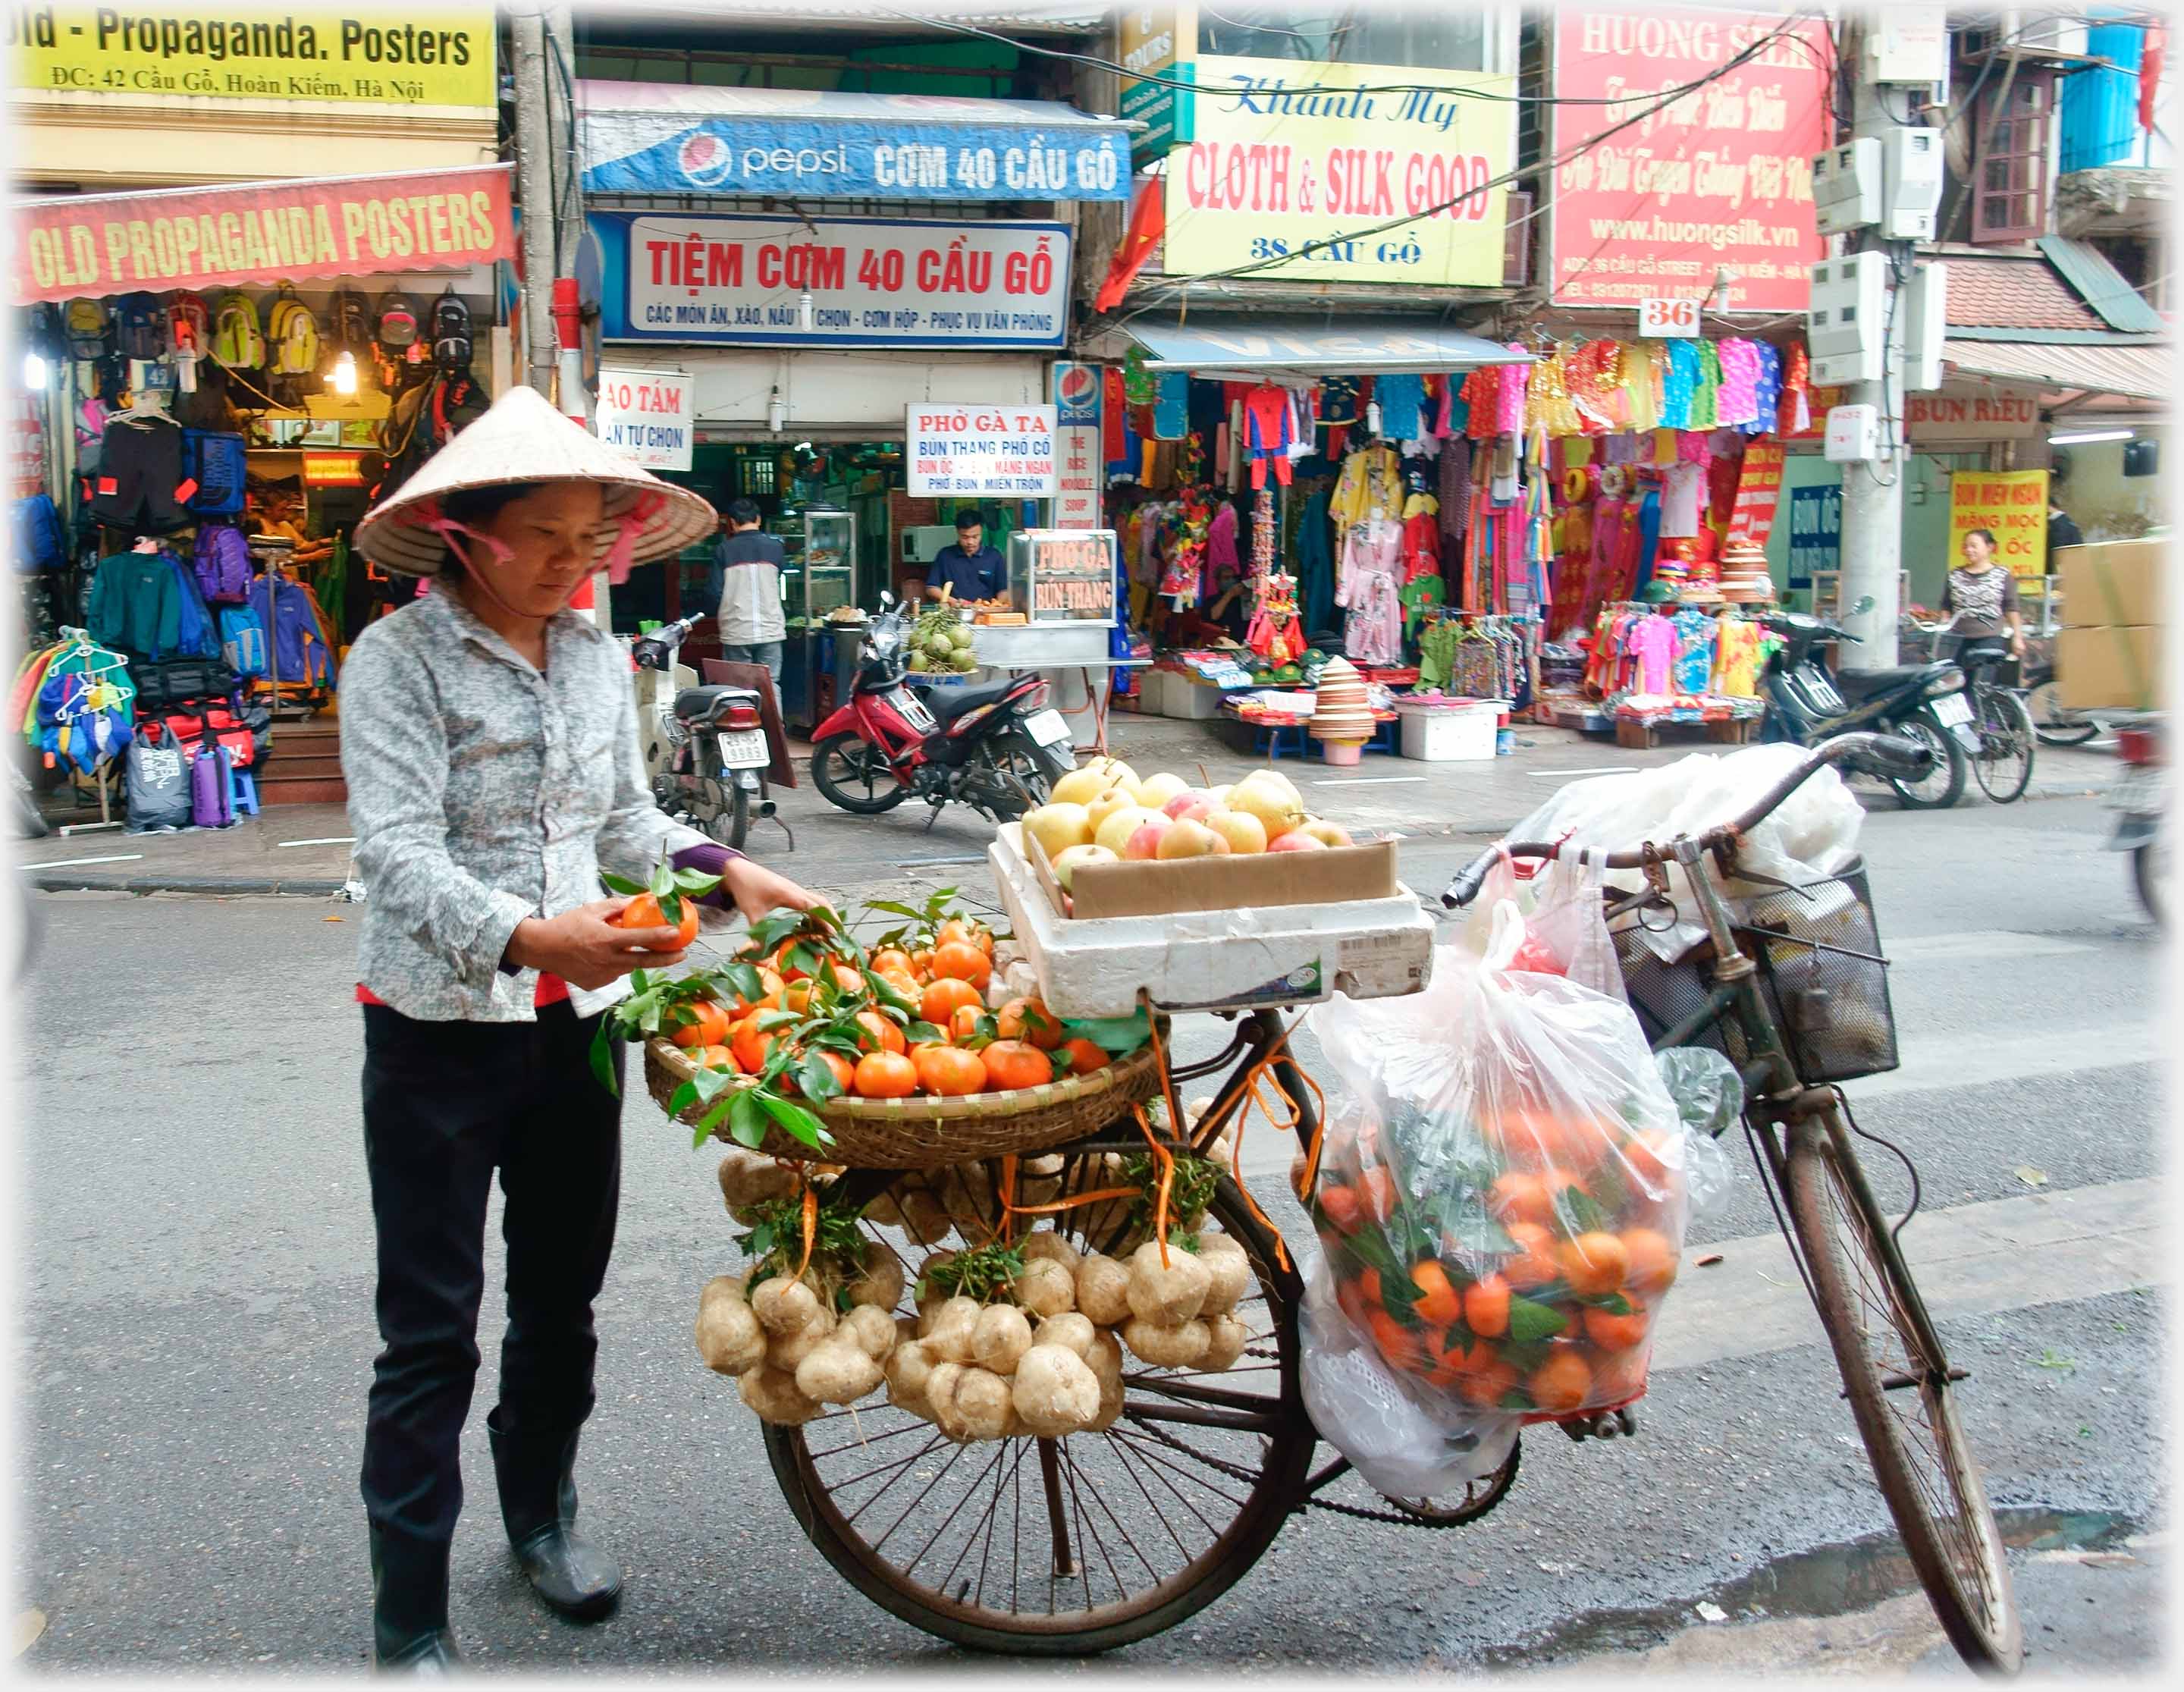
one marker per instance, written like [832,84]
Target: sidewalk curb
[62,882]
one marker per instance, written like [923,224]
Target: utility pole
[534,176]
[1872,556]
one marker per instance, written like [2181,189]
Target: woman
[1983,596]
[489,741]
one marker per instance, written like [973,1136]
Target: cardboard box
[2112,669]
[1368,948]
[1228,882]
[2115,584]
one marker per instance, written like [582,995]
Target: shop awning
[2144,370]
[1274,348]
[91,245]
[677,138]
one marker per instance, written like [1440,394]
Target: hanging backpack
[457,402]
[242,641]
[189,321]
[209,768]
[348,324]
[141,326]
[90,331]
[221,562]
[237,343]
[397,321]
[451,332]
[219,463]
[44,332]
[40,547]
[292,336]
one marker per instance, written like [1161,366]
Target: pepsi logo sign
[705,159]
[1078,385]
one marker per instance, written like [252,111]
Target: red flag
[2149,73]
[1148,227]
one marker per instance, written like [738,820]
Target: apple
[1081,786]
[1277,812]
[1189,839]
[1057,827]
[1327,833]
[1219,795]
[1144,841]
[1105,803]
[1190,802]
[1296,840]
[1116,832]
[1066,867]
[1243,831]
[1117,773]
[1154,792]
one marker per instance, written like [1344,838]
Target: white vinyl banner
[645,417]
[981,451]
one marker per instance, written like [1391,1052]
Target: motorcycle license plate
[1952,709]
[744,750]
[1046,728]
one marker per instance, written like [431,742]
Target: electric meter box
[1911,183]
[1910,45]
[1847,186]
[1854,434]
[1924,306]
[1846,321]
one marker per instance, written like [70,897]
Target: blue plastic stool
[1266,737]
[242,792]
[1388,738]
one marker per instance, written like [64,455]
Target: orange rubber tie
[810,1229]
[1164,1186]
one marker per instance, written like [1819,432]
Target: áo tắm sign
[646,418]
[980,451]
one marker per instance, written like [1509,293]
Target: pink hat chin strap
[616,562]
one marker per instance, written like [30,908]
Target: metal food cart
[818,574]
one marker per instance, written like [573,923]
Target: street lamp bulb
[345,373]
[2091,435]
[776,412]
[1719,296]
[34,372]
[804,311]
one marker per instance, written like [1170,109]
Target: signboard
[645,417]
[1969,413]
[985,451]
[1072,574]
[1815,532]
[1290,160]
[1758,492]
[1667,319]
[333,470]
[873,282]
[1079,468]
[268,232]
[1158,41]
[252,50]
[1721,176]
[2011,504]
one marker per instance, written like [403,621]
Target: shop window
[1311,31]
[755,476]
[2009,163]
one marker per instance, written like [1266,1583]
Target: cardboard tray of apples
[1112,844]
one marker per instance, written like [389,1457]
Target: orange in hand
[885,1075]
[644,912]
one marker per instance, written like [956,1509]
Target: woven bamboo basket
[929,1133]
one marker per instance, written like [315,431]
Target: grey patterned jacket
[481,792]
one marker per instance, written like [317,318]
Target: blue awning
[1251,349]
[677,138]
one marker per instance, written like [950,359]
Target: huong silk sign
[1289,161]
[375,55]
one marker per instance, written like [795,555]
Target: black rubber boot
[409,1605]
[536,1474]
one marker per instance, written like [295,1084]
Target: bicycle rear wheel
[2003,763]
[2055,722]
[1896,1379]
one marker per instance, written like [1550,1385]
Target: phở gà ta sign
[983,450]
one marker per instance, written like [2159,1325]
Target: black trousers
[445,1105]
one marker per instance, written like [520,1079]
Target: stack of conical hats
[1745,578]
[1341,713]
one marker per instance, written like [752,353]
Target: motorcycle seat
[709,704]
[948,704]
[1865,684]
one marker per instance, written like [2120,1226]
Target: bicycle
[1133,1530]
[2003,766]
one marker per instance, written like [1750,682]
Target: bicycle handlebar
[1885,754]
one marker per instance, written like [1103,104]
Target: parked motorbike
[1922,703]
[998,747]
[706,751]
[2140,800]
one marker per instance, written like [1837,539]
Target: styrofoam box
[1212,959]
[1452,735]
[1190,701]
[1152,692]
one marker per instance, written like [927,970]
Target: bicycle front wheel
[2003,764]
[1896,1379]
[2055,722]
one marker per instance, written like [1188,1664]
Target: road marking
[1363,781]
[1980,943]
[72,863]
[330,840]
[1932,1064]
[1564,775]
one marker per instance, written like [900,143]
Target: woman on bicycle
[1982,596]
[489,741]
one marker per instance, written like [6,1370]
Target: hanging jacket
[196,634]
[299,644]
[135,604]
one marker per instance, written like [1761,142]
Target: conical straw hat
[523,438]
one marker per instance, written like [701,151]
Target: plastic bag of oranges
[1502,1206]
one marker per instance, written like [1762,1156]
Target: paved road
[196,1335]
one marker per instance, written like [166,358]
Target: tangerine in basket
[885,1075]
[845,1072]
[1562,1382]
[1535,1264]
[950,1071]
[904,982]
[780,963]
[890,958]
[1011,1064]
[1029,1020]
[715,1057]
[1376,1192]
[1614,1332]
[1340,1206]
[882,1030]
[1594,1264]
[963,1022]
[848,979]
[1652,1260]
[1482,1376]
[710,1026]
[751,1047]
[1486,1307]
[961,961]
[1084,1055]
[956,932]
[941,1000]
[1438,1302]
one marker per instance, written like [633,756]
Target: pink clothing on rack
[1654,643]
[1737,400]
[1509,397]
[1372,546]
[1374,629]
[1222,566]
[1681,486]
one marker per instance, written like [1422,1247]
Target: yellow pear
[1277,812]
[1118,773]
[1242,831]
[1081,786]
[1154,792]
[1106,805]
[1057,827]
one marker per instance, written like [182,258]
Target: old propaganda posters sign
[2010,503]
[1288,160]
[372,55]
[1721,176]
[986,451]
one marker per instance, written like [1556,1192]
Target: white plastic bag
[1565,917]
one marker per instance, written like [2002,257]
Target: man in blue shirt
[971,567]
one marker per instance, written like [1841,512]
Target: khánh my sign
[983,451]
[252,50]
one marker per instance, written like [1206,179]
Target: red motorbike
[998,748]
